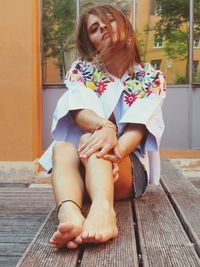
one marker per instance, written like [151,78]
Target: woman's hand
[103,140]
[115,172]
[115,158]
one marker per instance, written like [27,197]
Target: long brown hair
[123,50]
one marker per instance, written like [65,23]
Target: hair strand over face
[123,50]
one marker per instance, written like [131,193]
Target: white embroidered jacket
[135,98]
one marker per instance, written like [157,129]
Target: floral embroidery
[89,74]
[80,79]
[90,85]
[101,87]
[141,83]
[130,98]
[101,80]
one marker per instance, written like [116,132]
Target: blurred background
[163,33]
[38,44]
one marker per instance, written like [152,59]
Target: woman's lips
[105,35]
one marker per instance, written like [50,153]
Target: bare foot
[70,226]
[99,226]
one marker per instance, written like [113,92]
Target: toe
[53,245]
[78,240]
[65,227]
[52,240]
[91,235]
[57,235]
[84,235]
[98,237]
[72,245]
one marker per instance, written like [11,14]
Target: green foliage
[196,77]
[180,79]
[174,26]
[176,45]
[141,45]
[58,28]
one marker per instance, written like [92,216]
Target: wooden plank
[12,249]
[120,251]
[22,220]
[22,212]
[9,262]
[11,197]
[22,217]
[10,223]
[39,252]
[25,228]
[24,190]
[15,236]
[25,196]
[163,240]
[14,185]
[185,199]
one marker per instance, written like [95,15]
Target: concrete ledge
[23,172]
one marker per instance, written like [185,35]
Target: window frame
[134,4]
[158,43]
[156,63]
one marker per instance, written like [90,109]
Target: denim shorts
[140,178]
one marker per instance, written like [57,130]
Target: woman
[107,129]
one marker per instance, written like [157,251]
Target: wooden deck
[22,211]
[162,229]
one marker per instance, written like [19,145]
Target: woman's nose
[103,27]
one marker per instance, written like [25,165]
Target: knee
[64,152]
[84,138]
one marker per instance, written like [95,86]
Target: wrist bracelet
[105,124]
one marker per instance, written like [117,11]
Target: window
[195,67]
[197,43]
[123,5]
[61,72]
[162,33]
[59,21]
[158,41]
[196,71]
[156,63]
[155,8]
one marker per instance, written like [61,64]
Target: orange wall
[20,89]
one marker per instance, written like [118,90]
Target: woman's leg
[123,187]
[67,185]
[100,224]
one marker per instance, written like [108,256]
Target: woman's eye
[93,30]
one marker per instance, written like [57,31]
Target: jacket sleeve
[148,110]
[79,95]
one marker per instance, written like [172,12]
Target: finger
[89,150]
[111,158]
[116,152]
[115,168]
[82,146]
[116,177]
[85,144]
[104,151]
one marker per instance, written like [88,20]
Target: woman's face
[98,31]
